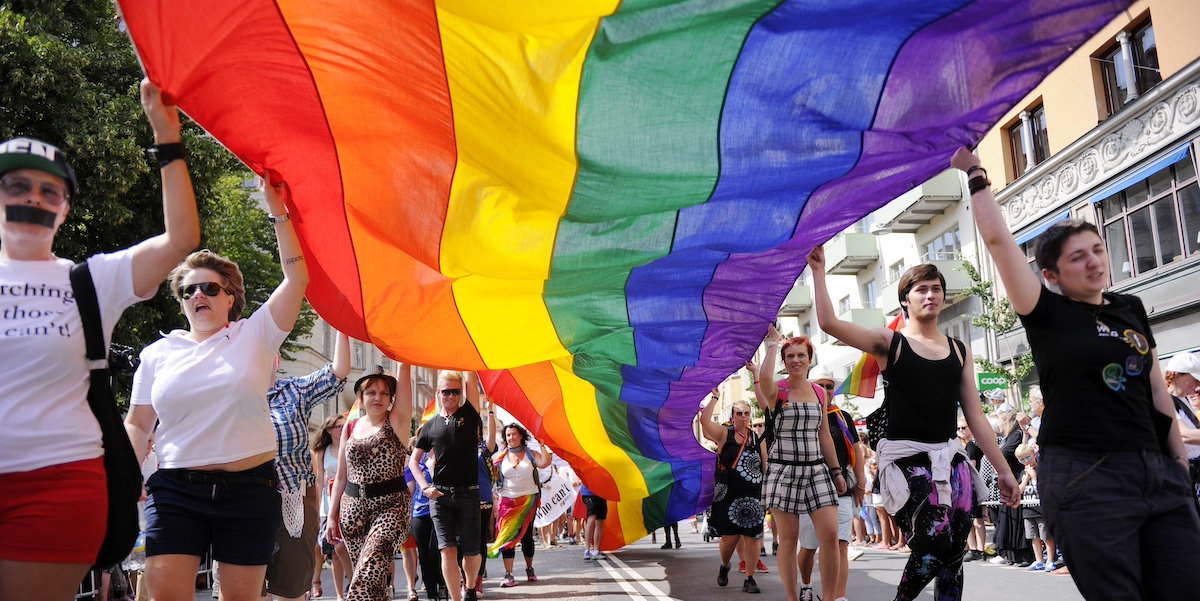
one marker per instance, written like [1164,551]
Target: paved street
[644,572]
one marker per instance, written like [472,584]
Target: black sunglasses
[17,186]
[210,289]
[450,392]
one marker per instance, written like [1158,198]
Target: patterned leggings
[936,534]
[373,529]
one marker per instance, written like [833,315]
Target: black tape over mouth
[31,215]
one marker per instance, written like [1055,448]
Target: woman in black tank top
[927,483]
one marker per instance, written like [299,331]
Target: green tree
[71,79]
[999,318]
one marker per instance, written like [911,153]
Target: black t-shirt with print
[1093,363]
[455,444]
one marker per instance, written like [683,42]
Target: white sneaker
[999,560]
[854,553]
[587,554]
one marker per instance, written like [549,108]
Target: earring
[390,406]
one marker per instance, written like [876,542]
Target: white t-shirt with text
[43,394]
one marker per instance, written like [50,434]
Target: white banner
[558,497]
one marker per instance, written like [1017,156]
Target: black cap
[27,153]
[374,372]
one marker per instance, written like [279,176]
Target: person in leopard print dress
[370,500]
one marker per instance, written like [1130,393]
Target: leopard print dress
[374,528]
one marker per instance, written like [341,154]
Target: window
[959,328]
[1153,222]
[869,292]
[843,305]
[807,329]
[943,248]
[1028,141]
[1125,81]
[328,337]
[862,226]
[356,355]
[895,271]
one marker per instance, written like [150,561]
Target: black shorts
[456,521]
[239,520]
[596,506]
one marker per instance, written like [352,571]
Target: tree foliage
[999,318]
[71,79]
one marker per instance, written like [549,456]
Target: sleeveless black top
[922,395]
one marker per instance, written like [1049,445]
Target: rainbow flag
[516,516]
[430,410]
[604,202]
[865,378]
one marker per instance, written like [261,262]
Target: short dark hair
[1051,242]
[520,430]
[918,273]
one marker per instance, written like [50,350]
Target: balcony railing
[850,253]
[799,300]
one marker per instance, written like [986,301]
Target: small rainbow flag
[865,377]
[430,410]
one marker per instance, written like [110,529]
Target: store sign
[990,381]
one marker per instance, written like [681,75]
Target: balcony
[864,315]
[850,253]
[889,301]
[799,300]
[950,264]
[918,207]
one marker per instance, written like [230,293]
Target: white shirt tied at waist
[893,486]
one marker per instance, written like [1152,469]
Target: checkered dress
[792,486]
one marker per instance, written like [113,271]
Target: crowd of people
[236,475]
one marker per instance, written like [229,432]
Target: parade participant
[206,389]
[292,401]
[845,444]
[371,507]
[803,475]
[925,476]
[487,449]
[1182,373]
[520,493]
[54,510]
[1137,536]
[453,435]
[593,527]
[326,446]
[428,556]
[737,511]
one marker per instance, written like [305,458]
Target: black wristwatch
[166,153]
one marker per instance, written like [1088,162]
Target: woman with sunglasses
[206,389]
[53,515]
[371,508]
[326,447]
[737,510]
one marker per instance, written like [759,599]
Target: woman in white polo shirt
[206,387]
[53,508]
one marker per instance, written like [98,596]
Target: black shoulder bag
[124,475]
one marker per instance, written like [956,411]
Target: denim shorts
[456,521]
[239,520]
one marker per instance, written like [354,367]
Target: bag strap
[89,312]
[740,451]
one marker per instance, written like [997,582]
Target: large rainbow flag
[604,202]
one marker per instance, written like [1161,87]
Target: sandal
[412,596]
[316,589]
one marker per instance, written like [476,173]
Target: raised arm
[287,299]
[546,458]
[1020,284]
[712,430]
[759,397]
[402,408]
[341,356]
[490,442]
[985,437]
[867,340]
[155,257]
[471,388]
[766,371]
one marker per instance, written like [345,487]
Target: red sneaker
[762,567]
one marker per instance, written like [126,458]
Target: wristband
[978,184]
[975,168]
[278,219]
[165,154]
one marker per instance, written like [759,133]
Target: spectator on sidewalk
[1031,513]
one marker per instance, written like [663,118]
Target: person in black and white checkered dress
[803,475]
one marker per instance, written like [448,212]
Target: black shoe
[775,548]
[749,586]
[471,595]
[723,576]
[667,545]
[678,544]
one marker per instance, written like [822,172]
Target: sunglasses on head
[210,289]
[19,185]
[448,392]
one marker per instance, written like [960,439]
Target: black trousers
[428,555]
[1126,521]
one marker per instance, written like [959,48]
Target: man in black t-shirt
[453,437]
